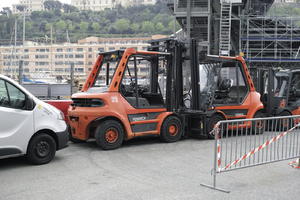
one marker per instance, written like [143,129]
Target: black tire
[211,124]
[41,149]
[258,126]
[285,124]
[109,135]
[171,129]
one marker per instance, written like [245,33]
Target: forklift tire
[171,130]
[211,124]
[109,135]
[41,149]
[257,126]
[285,124]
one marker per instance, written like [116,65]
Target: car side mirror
[29,104]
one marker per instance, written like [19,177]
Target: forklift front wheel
[211,125]
[258,125]
[109,134]
[171,130]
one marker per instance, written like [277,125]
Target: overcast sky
[8,3]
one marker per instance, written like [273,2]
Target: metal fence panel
[251,142]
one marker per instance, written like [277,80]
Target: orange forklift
[137,93]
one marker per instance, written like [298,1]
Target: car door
[16,123]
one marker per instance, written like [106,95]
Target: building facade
[30,5]
[97,5]
[55,60]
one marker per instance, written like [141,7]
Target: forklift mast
[174,92]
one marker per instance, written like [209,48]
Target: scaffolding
[264,40]
[271,39]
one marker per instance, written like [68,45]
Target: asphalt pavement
[143,168]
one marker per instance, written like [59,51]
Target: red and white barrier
[267,143]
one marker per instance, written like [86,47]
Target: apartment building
[30,5]
[55,60]
[97,5]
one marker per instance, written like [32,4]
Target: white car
[29,126]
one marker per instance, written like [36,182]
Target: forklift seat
[143,103]
[155,99]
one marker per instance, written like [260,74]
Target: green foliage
[135,21]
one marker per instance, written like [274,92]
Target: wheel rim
[42,149]
[111,135]
[173,130]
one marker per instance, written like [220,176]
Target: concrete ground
[142,169]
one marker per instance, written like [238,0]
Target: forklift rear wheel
[211,124]
[258,126]
[285,124]
[109,134]
[171,130]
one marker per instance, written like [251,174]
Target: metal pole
[20,71]
[24,27]
[72,77]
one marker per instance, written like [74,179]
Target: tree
[135,27]
[6,11]
[83,26]
[21,7]
[69,8]
[148,27]
[159,27]
[95,26]
[52,5]
[122,25]
[60,25]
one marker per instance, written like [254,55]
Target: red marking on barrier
[244,157]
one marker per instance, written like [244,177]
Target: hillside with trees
[67,23]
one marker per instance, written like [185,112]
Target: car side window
[4,99]
[16,97]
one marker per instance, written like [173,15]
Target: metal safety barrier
[252,142]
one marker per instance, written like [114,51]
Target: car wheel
[171,130]
[109,135]
[41,149]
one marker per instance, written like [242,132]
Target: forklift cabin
[280,91]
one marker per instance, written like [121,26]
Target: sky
[8,3]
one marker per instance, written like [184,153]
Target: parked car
[29,126]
